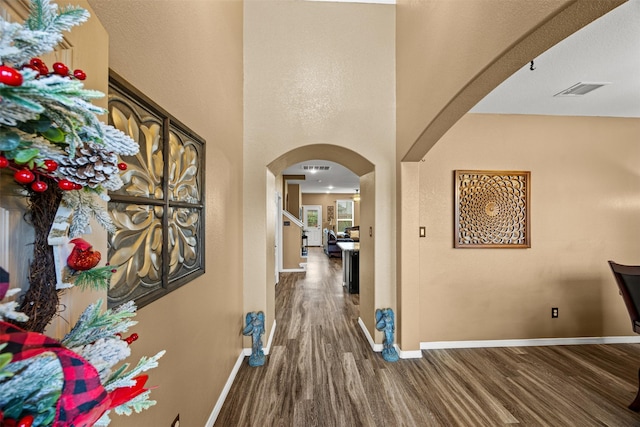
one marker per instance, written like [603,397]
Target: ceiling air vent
[581,88]
[315,168]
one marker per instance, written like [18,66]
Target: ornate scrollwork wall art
[492,209]
[159,211]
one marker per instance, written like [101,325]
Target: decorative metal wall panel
[136,250]
[184,179]
[159,211]
[492,209]
[184,246]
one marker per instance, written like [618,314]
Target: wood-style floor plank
[322,372]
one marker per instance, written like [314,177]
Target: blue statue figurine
[385,322]
[255,328]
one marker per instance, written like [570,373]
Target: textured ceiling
[605,51]
[337,179]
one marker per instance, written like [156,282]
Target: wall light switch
[423,231]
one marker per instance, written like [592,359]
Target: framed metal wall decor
[158,244]
[492,209]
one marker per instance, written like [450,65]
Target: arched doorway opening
[365,170]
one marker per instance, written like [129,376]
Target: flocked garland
[32,388]
[53,144]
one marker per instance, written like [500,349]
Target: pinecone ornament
[91,166]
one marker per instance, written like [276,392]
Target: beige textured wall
[294,199]
[187,57]
[370,291]
[585,210]
[317,73]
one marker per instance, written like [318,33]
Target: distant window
[345,214]
[312,218]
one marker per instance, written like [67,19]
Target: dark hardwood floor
[322,372]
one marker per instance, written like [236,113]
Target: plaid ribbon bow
[83,399]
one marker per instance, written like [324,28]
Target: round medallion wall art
[492,209]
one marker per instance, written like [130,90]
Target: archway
[366,171]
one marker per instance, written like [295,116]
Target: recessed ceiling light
[581,88]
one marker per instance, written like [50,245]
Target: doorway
[312,219]
[370,236]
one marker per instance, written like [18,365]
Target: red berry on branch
[43,70]
[79,74]
[24,176]
[36,62]
[3,162]
[9,422]
[66,185]
[39,186]
[26,421]
[60,69]
[122,166]
[50,165]
[133,337]
[113,270]
[10,76]
[77,186]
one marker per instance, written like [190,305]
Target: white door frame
[278,236]
[318,230]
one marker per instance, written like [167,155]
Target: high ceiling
[605,51]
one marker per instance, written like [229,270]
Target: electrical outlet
[554,312]
[176,422]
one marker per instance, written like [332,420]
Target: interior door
[312,218]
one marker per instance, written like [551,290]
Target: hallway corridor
[322,372]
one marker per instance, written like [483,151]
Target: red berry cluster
[23,175]
[59,68]
[12,77]
[26,421]
[26,176]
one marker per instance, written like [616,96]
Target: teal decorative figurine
[385,321]
[255,328]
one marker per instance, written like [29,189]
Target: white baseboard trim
[225,391]
[270,340]
[409,354]
[436,345]
[265,350]
[292,270]
[413,354]
[375,347]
